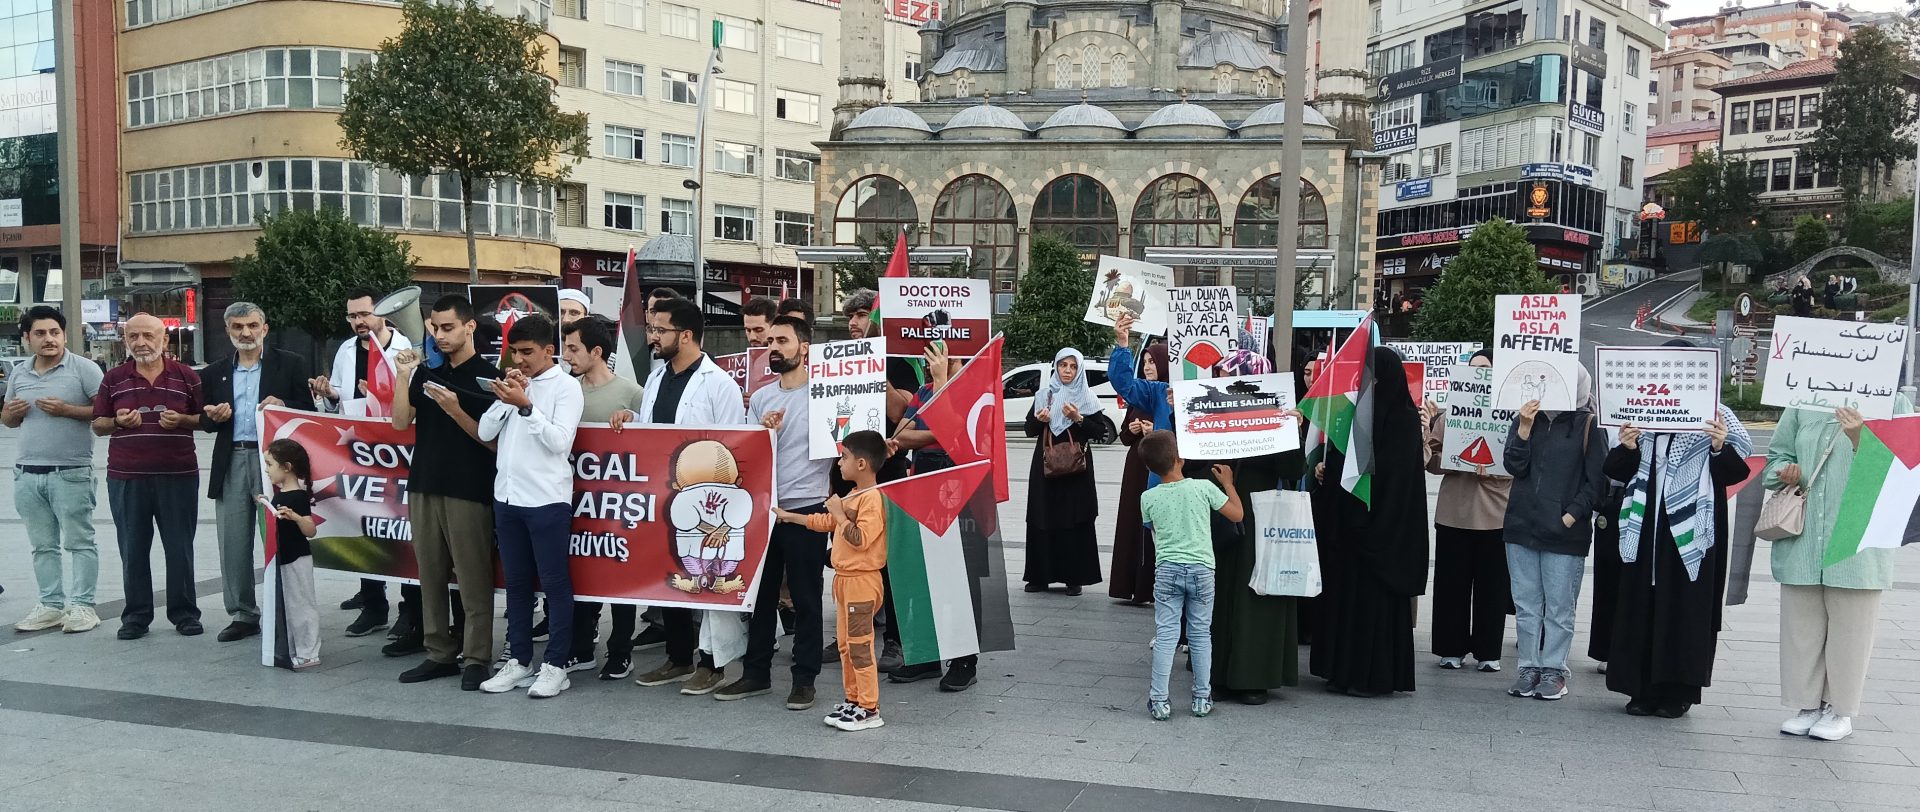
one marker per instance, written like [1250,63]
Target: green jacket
[1802,437]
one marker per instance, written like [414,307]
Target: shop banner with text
[920,311]
[1536,350]
[1201,329]
[1130,287]
[849,392]
[1826,364]
[1657,388]
[1230,418]
[1476,432]
[1439,356]
[749,369]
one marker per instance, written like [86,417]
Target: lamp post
[703,90]
[68,106]
[1292,134]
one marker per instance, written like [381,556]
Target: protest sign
[1200,329]
[749,369]
[497,307]
[1416,380]
[1657,388]
[1439,356]
[1537,356]
[915,312]
[1258,325]
[1229,418]
[1825,364]
[849,392]
[1476,432]
[1125,286]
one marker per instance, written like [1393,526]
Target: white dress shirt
[533,468]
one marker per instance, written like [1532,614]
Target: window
[1628,180]
[1757,174]
[874,210]
[791,165]
[269,78]
[676,86]
[1530,80]
[1828,176]
[570,205]
[1436,161]
[797,44]
[913,70]
[626,143]
[676,150]
[976,210]
[1373,10]
[1399,168]
[738,33]
[1810,111]
[733,222]
[792,105]
[1396,113]
[1782,175]
[1738,123]
[1633,61]
[1762,116]
[624,211]
[1081,210]
[1597,33]
[1257,223]
[792,228]
[1783,114]
[573,67]
[736,159]
[1629,112]
[1656,155]
[627,13]
[1175,210]
[626,78]
[676,216]
[571,9]
[1803,174]
[1673,111]
[733,96]
[1391,60]
[680,21]
[1590,150]
[1500,146]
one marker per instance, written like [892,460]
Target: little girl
[289,469]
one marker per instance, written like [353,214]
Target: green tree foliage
[461,91]
[304,262]
[1713,191]
[1047,310]
[1883,228]
[863,273]
[1496,260]
[1809,237]
[1866,112]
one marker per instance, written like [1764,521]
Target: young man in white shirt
[533,425]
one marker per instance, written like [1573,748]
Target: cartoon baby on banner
[709,513]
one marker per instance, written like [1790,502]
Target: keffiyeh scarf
[1686,491]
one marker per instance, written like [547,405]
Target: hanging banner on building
[1230,418]
[1824,364]
[1200,329]
[666,516]
[849,392]
[1436,75]
[1125,286]
[1537,350]
[749,369]
[917,311]
[1476,432]
[1439,357]
[1668,389]
[497,307]
[1395,139]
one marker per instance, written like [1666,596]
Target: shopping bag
[1286,558]
[724,635]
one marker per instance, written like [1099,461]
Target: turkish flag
[967,416]
[379,381]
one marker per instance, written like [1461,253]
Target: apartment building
[1799,30]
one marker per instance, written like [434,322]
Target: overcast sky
[1696,8]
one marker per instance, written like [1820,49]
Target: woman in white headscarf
[1062,502]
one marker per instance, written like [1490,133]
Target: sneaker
[831,654]
[1202,705]
[650,637]
[1487,666]
[1831,728]
[1553,684]
[577,664]
[302,664]
[428,670]
[353,603]
[861,719]
[1450,663]
[514,675]
[741,689]
[960,675]
[404,626]
[370,621]
[1527,684]
[665,674]
[617,668]
[800,698]
[891,658]
[552,680]
[704,681]
[473,676]
[1161,710]
[1802,723]
[79,619]
[839,712]
[540,631]
[915,673]
[41,618]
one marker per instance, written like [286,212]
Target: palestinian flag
[275,642]
[1339,404]
[943,537]
[1878,508]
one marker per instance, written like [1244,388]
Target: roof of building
[1276,113]
[971,53]
[899,118]
[1684,127]
[1228,46]
[1183,114]
[1084,115]
[666,248]
[1809,69]
[986,115]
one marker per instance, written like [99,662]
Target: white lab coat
[351,402]
[711,398]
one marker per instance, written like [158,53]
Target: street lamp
[697,183]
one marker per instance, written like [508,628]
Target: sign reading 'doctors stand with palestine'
[1825,364]
[916,311]
[1536,352]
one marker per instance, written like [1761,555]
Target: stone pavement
[179,723]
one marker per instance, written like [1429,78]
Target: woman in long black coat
[1131,579]
[1061,547]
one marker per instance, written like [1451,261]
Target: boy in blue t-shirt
[1180,511]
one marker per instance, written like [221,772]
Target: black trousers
[586,622]
[373,594]
[683,636]
[799,555]
[1471,593]
[139,505]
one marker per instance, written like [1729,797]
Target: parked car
[1019,384]
[8,362]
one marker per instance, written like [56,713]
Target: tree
[1713,191]
[1046,310]
[461,91]
[1496,260]
[1723,250]
[304,262]
[1884,228]
[1809,238]
[1866,112]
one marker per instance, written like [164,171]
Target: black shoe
[890,658]
[1252,697]
[429,669]
[830,654]
[1673,710]
[1073,592]
[404,626]
[1641,707]
[352,603]
[190,628]
[653,636]
[130,631]
[960,675]
[370,620]
[238,630]
[405,646]
[540,631]
[472,675]
[1036,587]
[915,673]
[616,668]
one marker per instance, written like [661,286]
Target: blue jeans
[1546,586]
[1182,588]
[530,539]
[58,511]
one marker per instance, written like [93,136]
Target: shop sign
[1429,77]
[1413,189]
[1587,118]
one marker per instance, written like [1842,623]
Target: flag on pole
[630,358]
[897,268]
[1877,509]
[942,530]
[783,291]
[379,380]
[967,416]
[1339,404]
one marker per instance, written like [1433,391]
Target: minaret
[1345,95]
[863,52]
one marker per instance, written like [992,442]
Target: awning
[142,290]
[920,255]
[1234,257]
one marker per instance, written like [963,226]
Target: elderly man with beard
[150,406]
[51,399]
[236,388]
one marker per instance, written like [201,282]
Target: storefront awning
[921,255]
[140,290]
[1235,257]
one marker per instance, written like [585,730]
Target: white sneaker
[80,619]
[1488,666]
[1831,728]
[510,676]
[550,683]
[1450,663]
[1803,721]
[42,617]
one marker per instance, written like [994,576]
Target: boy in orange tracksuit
[859,531]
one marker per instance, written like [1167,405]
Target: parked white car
[1018,385]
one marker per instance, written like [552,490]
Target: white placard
[1476,432]
[1129,286]
[1537,350]
[1231,418]
[10,213]
[1825,364]
[96,311]
[1439,356]
[1200,329]
[916,311]
[849,392]
[1656,388]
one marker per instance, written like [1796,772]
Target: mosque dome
[1183,120]
[888,123]
[984,121]
[1083,120]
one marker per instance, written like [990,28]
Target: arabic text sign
[1657,388]
[915,312]
[1230,418]
[1824,364]
[849,392]
[1200,329]
[1439,356]
[1537,350]
[1476,432]
[749,369]
[1129,286]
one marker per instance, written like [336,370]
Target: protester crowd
[491,481]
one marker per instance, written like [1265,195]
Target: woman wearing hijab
[1802,297]
[1131,578]
[1061,510]
[1380,552]
[1555,459]
[1673,560]
[1470,592]
[1246,359]
[1832,292]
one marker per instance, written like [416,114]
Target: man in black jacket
[235,388]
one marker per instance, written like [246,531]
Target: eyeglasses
[660,331]
[359,314]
